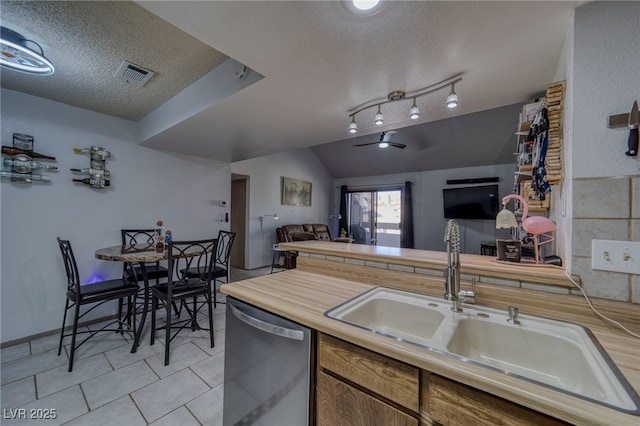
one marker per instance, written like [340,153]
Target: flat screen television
[471,202]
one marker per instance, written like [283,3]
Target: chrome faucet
[452,283]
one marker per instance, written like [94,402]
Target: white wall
[428,214]
[265,197]
[147,185]
[606,81]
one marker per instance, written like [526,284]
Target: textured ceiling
[318,61]
[88,40]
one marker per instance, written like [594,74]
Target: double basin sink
[556,354]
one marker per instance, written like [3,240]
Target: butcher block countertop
[470,263]
[304,297]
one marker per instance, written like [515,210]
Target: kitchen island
[304,295]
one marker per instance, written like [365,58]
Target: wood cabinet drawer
[454,404]
[342,405]
[391,379]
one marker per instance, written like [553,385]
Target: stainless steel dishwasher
[267,368]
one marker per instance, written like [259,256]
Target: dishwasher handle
[265,326]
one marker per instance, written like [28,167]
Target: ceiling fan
[385,141]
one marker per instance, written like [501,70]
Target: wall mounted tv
[471,202]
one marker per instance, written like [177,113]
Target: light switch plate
[616,256]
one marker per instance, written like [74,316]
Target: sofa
[304,232]
[307,231]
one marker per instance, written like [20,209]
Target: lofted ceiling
[308,63]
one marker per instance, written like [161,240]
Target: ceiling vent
[133,74]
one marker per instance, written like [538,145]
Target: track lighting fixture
[16,55]
[398,95]
[452,99]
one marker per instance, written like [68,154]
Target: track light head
[452,99]
[414,112]
[379,118]
[383,145]
[353,126]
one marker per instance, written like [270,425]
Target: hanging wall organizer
[20,165]
[97,174]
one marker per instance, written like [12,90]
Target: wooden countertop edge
[304,297]
[470,263]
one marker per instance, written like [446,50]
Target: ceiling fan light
[414,112]
[379,118]
[16,55]
[365,4]
[353,127]
[383,144]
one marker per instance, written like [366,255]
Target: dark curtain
[343,223]
[406,221]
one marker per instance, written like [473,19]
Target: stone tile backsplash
[605,209]
[601,198]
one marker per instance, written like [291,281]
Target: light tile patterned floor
[111,386]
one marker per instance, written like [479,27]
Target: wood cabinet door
[339,404]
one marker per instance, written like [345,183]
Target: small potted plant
[343,232]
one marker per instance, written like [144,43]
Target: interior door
[238,223]
[374,216]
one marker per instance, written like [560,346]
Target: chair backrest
[70,266]
[138,236]
[191,262]
[132,237]
[225,241]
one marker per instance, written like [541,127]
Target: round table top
[131,253]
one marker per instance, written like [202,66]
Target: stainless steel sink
[556,354]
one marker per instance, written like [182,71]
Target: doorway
[374,216]
[239,206]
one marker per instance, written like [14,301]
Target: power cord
[616,323]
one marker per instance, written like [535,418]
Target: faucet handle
[469,296]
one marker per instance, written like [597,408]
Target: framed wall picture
[296,192]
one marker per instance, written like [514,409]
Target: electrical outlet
[617,256]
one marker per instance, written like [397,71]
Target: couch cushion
[303,236]
[322,231]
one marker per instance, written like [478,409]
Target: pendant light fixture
[398,95]
[15,54]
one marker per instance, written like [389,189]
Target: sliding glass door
[374,216]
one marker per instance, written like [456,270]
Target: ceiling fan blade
[398,145]
[365,144]
[386,136]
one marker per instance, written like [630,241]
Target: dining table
[140,254]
